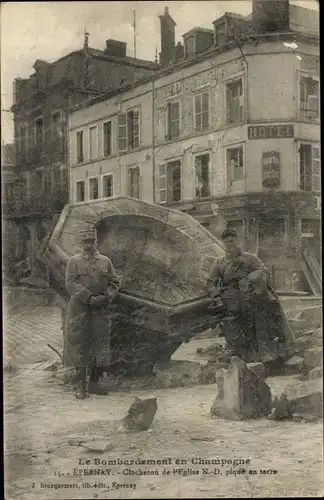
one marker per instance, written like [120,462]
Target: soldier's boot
[81,391]
[93,386]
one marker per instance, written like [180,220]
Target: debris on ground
[306,397]
[140,414]
[313,357]
[281,409]
[98,446]
[245,395]
[294,365]
[316,373]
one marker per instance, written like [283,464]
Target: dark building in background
[38,190]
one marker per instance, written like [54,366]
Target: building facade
[231,122]
[39,189]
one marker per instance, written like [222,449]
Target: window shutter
[122,132]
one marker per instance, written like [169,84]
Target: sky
[49,30]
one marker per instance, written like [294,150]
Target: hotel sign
[271,169]
[271,132]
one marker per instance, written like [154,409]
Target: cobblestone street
[41,416]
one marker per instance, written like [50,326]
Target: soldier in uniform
[92,285]
[255,326]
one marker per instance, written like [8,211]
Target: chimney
[270,15]
[179,51]
[167,54]
[115,48]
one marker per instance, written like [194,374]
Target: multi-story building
[40,187]
[231,120]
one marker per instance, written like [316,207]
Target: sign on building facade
[271,132]
[271,169]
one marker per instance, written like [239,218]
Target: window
[79,146]
[93,188]
[39,134]
[173,120]
[309,167]
[273,228]
[309,98]
[220,34]
[93,143]
[107,186]
[134,182]
[170,182]
[234,98]
[128,130]
[235,164]
[22,143]
[80,191]
[133,128]
[163,184]
[190,46]
[201,111]
[202,176]
[107,139]
[122,132]
[56,127]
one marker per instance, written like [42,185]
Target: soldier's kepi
[92,284]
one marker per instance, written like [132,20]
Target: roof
[181,64]
[104,72]
[197,28]
[7,155]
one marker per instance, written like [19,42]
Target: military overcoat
[255,317]
[88,328]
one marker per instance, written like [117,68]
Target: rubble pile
[242,393]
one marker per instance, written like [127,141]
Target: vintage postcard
[161,249]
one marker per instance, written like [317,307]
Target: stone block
[302,343]
[294,365]
[318,333]
[312,315]
[316,373]
[219,377]
[313,357]
[298,326]
[306,397]
[140,415]
[244,395]
[258,369]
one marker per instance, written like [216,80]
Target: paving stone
[316,373]
[244,394]
[313,357]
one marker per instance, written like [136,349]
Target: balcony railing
[36,204]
